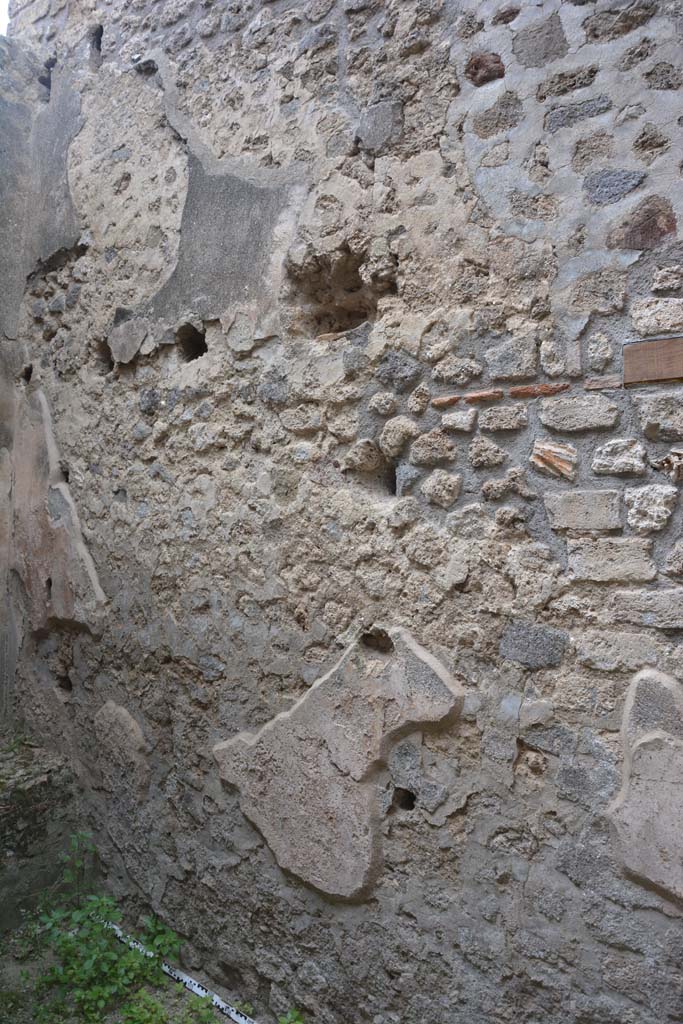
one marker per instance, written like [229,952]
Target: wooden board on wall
[647,362]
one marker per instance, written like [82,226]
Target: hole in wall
[96,46]
[377,640]
[64,470]
[64,683]
[390,480]
[103,358]
[45,78]
[331,294]
[27,373]
[48,588]
[402,800]
[191,343]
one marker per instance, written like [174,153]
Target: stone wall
[345,567]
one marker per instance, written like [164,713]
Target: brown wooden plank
[649,361]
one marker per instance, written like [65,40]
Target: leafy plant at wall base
[291,1017]
[144,1009]
[93,971]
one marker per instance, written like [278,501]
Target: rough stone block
[657,316]
[622,456]
[661,415]
[574,415]
[646,227]
[533,646]
[569,114]
[432,448]
[659,609]
[505,417]
[461,421]
[442,488]
[616,651]
[513,359]
[584,511]
[611,560]
[540,43]
[650,508]
[609,186]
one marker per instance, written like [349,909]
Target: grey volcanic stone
[540,43]
[605,187]
[571,113]
[533,646]
[380,126]
[399,370]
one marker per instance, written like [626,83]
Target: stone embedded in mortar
[569,114]
[584,511]
[646,227]
[303,419]
[647,812]
[661,415]
[454,370]
[432,448]
[668,278]
[674,560]
[650,143]
[310,779]
[671,464]
[442,488]
[363,457]
[649,508]
[484,454]
[398,370]
[609,186]
[418,400]
[533,646]
[503,418]
[657,316]
[611,560]
[383,403]
[618,20]
[555,459]
[461,421]
[566,81]
[514,482]
[406,478]
[658,609]
[540,43]
[574,415]
[513,359]
[380,127]
[599,351]
[621,455]
[395,435]
[664,75]
[505,113]
[484,67]
[125,339]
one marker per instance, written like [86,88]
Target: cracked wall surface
[338,558]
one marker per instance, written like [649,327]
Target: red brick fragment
[492,395]
[445,401]
[535,390]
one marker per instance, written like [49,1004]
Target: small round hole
[191,342]
[377,640]
[403,800]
